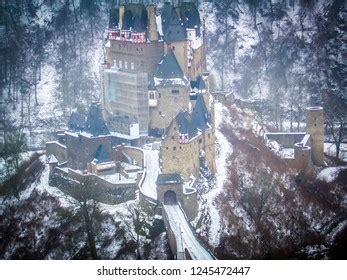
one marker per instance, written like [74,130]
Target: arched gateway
[170,198]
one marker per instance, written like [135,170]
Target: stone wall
[102,190]
[144,56]
[185,158]
[180,50]
[81,149]
[315,127]
[135,154]
[190,203]
[56,149]
[169,105]
[286,140]
[198,63]
[180,158]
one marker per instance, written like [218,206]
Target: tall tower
[315,127]
[152,24]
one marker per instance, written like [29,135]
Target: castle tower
[121,16]
[152,24]
[315,127]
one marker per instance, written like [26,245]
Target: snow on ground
[181,229]
[330,149]
[222,155]
[149,187]
[41,185]
[330,174]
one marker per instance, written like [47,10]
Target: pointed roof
[101,155]
[198,84]
[200,116]
[95,123]
[190,16]
[77,122]
[173,28]
[169,68]
[197,121]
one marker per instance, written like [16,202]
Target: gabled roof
[200,116]
[190,16]
[77,122]
[198,84]
[199,120]
[95,123]
[101,154]
[169,68]
[173,28]
[167,179]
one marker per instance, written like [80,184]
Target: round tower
[315,127]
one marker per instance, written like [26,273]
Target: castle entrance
[170,198]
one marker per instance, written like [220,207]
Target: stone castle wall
[185,158]
[81,149]
[56,149]
[144,56]
[315,127]
[169,104]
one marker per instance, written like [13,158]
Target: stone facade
[138,58]
[184,158]
[170,100]
[315,127]
[81,149]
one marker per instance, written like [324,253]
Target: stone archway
[170,198]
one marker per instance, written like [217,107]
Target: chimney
[152,23]
[121,16]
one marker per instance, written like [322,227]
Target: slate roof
[167,179]
[173,28]
[135,18]
[190,16]
[198,84]
[169,68]
[199,120]
[77,122]
[101,154]
[95,123]
[113,18]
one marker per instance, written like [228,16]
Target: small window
[173,48]
[174,148]
[132,66]
[180,147]
[159,95]
[159,113]
[126,64]
[200,141]
[209,136]
[175,91]
[120,64]
[167,148]
[173,137]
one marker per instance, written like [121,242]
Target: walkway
[179,225]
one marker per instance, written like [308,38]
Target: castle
[150,58]
[154,84]
[302,150]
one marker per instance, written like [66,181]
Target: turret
[152,23]
[315,127]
